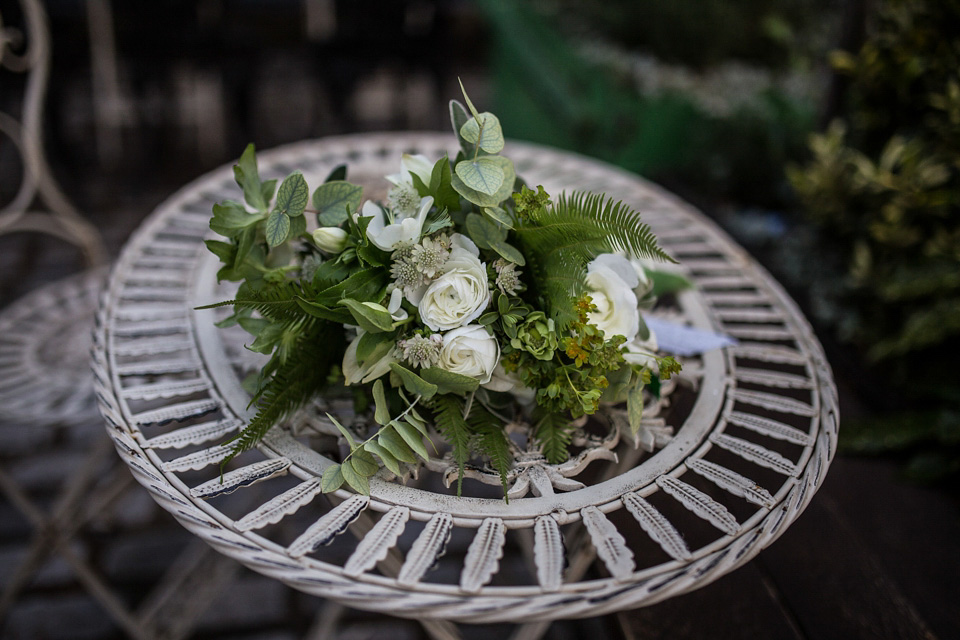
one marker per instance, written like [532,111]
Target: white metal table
[741,443]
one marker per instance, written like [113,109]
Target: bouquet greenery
[462,302]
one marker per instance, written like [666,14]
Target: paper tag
[682,340]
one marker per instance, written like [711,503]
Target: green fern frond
[619,223]
[554,433]
[277,302]
[292,383]
[448,415]
[491,440]
[559,241]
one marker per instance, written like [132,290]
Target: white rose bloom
[470,351]
[354,372]
[611,280]
[391,234]
[459,295]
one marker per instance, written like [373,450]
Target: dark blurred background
[823,135]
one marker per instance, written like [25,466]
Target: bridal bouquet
[464,302]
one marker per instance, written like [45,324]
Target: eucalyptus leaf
[333,199]
[483,232]
[390,440]
[277,228]
[499,215]
[459,117]
[484,174]
[369,316]
[449,382]
[470,106]
[414,383]
[484,131]
[482,199]
[382,412]
[509,252]
[357,481]
[332,479]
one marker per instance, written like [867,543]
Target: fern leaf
[448,415]
[491,440]
[620,223]
[553,432]
[560,240]
[277,302]
[293,382]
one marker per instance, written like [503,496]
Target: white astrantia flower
[470,351]
[416,163]
[421,351]
[611,280]
[460,294]
[403,197]
[391,231]
[354,372]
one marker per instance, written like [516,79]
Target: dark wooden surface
[872,557]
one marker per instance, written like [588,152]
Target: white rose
[459,295]
[399,231]
[373,368]
[470,351]
[611,280]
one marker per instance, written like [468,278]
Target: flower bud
[330,239]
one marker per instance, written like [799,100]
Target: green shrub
[884,187]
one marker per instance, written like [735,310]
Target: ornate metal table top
[728,458]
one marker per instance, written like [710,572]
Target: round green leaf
[483,199]
[332,200]
[485,174]
[278,228]
[293,195]
[484,131]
